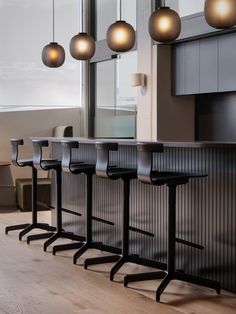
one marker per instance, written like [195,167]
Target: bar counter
[206,208]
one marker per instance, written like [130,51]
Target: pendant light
[164,24]
[120,35]
[53,55]
[220,13]
[82,46]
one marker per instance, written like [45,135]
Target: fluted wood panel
[205,208]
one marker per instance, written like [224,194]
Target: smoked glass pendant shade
[220,13]
[82,46]
[120,36]
[164,25]
[53,55]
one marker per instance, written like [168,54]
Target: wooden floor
[35,282]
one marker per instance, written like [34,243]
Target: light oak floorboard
[35,282]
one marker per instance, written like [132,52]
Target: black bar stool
[103,169]
[78,168]
[34,225]
[146,174]
[50,164]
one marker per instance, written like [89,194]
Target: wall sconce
[138,80]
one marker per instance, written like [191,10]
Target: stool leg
[34,196]
[125,230]
[59,202]
[171,230]
[89,243]
[58,233]
[171,241]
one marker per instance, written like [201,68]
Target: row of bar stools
[47,165]
[35,224]
[105,170]
[147,175]
[78,168]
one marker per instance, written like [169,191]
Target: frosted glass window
[25,28]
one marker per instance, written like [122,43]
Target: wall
[23,124]
[188,7]
[175,115]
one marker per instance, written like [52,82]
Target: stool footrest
[71,212]
[196,246]
[107,222]
[141,231]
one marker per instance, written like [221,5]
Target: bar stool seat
[115,173]
[35,224]
[49,164]
[162,177]
[79,167]
[25,162]
[172,179]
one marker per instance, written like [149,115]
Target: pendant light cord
[53,21]
[82,15]
[120,9]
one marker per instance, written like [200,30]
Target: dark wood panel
[205,208]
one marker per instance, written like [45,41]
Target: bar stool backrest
[103,157]
[145,160]
[38,152]
[15,150]
[67,147]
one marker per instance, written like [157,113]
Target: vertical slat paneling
[205,208]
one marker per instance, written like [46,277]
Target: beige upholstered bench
[23,193]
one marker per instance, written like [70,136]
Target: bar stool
[34,225]
[105,170]
[147,175]
[78,168]
[50,164]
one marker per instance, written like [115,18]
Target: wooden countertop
[131,142]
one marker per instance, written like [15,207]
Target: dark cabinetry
[227,63]
[205,65]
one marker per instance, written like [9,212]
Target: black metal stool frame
[104,170]
[47,164]
[77,168]
[172,179]
[35,224]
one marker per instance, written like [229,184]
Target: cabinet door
[209,65]
[178,82]
[227,63]
[191,68]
